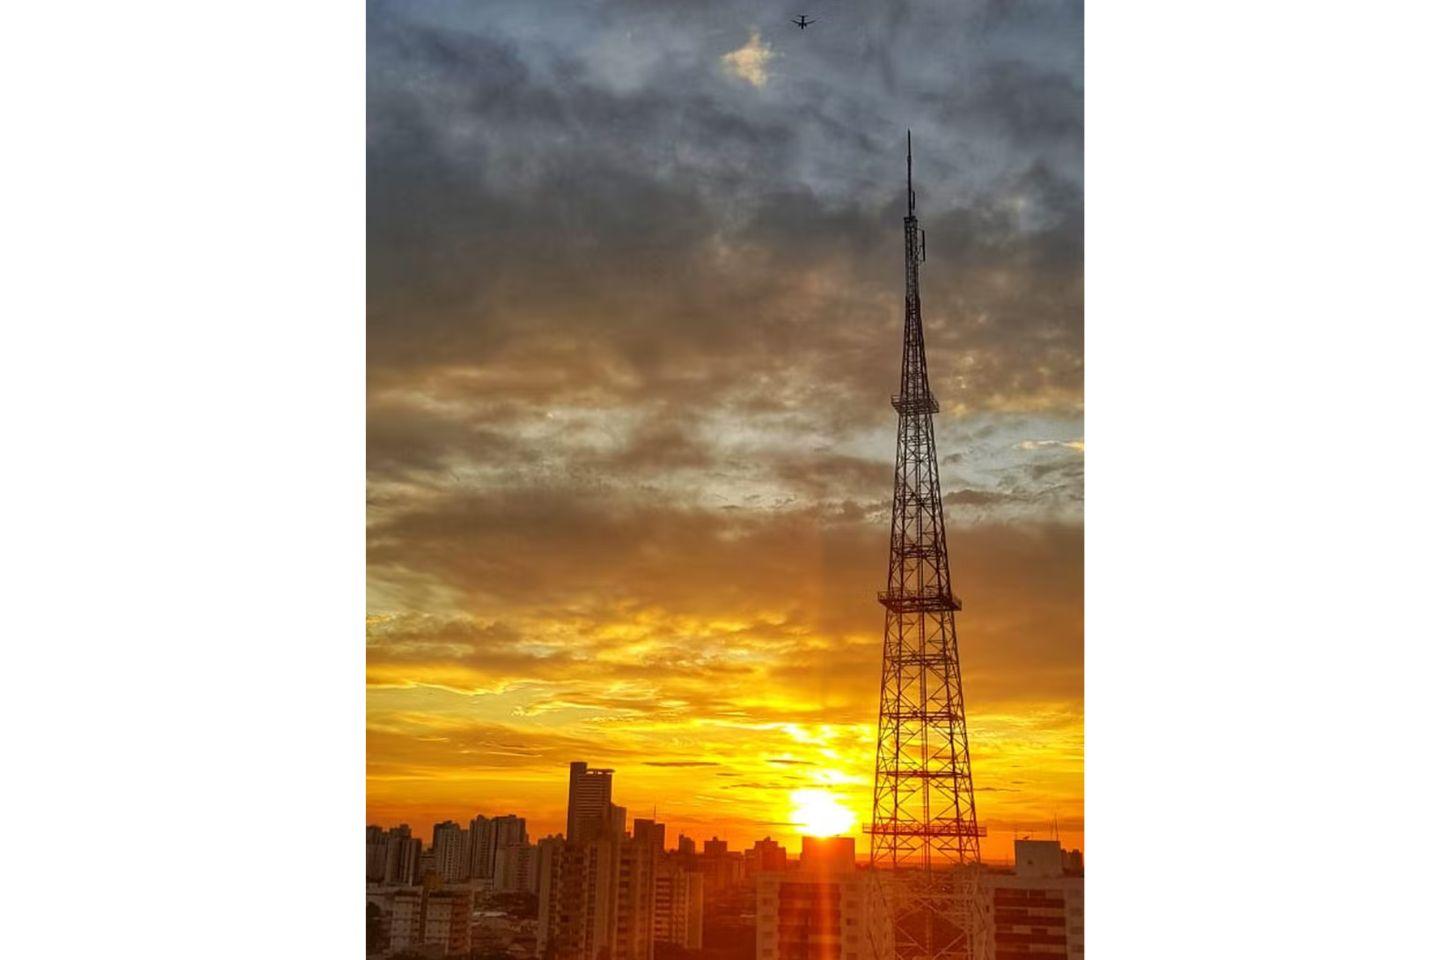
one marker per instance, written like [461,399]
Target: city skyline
[634,322]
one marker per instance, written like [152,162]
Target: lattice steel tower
[924,838]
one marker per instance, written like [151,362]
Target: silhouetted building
[1036,910]
[635,900]
[686,846]
[766,855]
[377,853]
[591,812]
[403,860]
[647,829]
[829,853]
[450,851]
[480,847]
[825,910]
[679,904]
[723,870]
[516,869]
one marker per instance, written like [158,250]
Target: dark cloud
[633,327]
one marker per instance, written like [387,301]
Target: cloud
[633,328]
[748,63]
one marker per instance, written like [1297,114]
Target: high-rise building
[480,848]
[824,910]
[590,802]
[430,919]
[1036,911]
[516,869]
[828,853]
[450,851]
[679,904]
[635,899]
[686,846]
[403,860]
[489,835]
[766,855]
[377,853]
[577,883]
[724,871]
[648,829]
[596,885]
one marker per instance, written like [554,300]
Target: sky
[634,321]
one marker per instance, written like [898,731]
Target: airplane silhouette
[802,22]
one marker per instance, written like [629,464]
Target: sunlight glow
[819,814]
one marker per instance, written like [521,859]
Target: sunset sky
[635,308]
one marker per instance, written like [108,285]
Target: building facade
[679,904]
[1036,911]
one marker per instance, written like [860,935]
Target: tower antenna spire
[910,193]
[925,839]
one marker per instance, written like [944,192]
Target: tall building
[648,829]
[377,853]
[766,855]
[430,919]
[450,851]
[679,904]
[403,859]
[924,832]
[516,869]
[480,848]
[824,910]
[635,898]
[828,853]
[686,846]
[723,870]
[577,884]
[489,835]
[596,884]
[1036,911]
[591,810]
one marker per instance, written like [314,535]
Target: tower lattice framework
[925,845]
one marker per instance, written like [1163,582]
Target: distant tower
[924,819]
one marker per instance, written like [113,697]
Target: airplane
[802,22]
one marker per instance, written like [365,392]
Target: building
[635,899]
[377,853]
[430,919]
[724,871]
[826,909]
[648,829]
[480,847]
[450,851]
[828,853]
[576,898]
[766,855]
[679,904]
[403,858]
[591,810]
[596,898]
[516,869]
[686,846]
[1036,911]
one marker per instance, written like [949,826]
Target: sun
[819,814]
